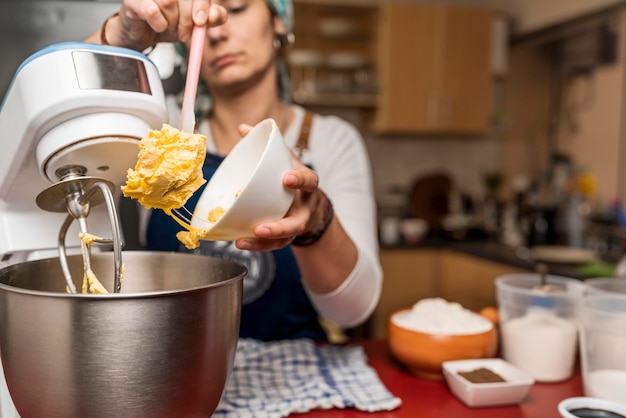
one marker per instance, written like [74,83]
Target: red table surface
[425,398]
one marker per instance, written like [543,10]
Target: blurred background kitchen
[494,127]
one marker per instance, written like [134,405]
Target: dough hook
[76,194]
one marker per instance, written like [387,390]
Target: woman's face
[240,53]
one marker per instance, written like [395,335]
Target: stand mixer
[165,344]
[71,122]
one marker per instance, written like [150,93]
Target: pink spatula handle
[187,117]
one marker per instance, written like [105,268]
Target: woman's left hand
[304,210]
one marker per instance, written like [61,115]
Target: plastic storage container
[606,284]
[539,328]
[603,346]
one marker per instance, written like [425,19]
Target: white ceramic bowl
[512,391]
[248,186]
[413,229]
[592,407]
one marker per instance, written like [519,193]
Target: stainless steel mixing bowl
[163,347]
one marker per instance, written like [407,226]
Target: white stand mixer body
[70,104]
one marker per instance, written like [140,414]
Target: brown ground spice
[482,375]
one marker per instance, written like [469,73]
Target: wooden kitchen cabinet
[470,280]
[433,69]
[409,275]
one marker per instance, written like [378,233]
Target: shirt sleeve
[353,302]
[338,154]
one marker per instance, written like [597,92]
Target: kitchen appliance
[71,123]
[72,120]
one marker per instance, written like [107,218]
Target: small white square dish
[476,389]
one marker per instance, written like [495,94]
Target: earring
[282,40]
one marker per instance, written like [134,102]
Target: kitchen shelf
[333,60]
[339,100]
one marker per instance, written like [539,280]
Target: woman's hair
[281,9]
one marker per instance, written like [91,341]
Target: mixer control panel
[110,72]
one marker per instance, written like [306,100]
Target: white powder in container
[542,344]
[438,316]
[606,384]
[603,352]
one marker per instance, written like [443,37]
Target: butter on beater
[167,173]
[168,169]
[91,284]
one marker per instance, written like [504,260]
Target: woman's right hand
[143,23]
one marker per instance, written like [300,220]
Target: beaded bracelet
[312,237]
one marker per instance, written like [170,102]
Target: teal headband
[283,9]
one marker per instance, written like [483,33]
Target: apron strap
[305,131]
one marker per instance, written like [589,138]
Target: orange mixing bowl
[423,353]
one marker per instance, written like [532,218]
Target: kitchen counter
[491,250]
[424,398]
[457,271]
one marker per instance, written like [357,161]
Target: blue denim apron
[275,304]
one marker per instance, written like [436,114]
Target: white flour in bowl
[438,316]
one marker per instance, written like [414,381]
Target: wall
[595,140]
[524,145]
[521,148]
[531,15]
[27,26]
[398,160]
[588,125]
[528,15]
[591,133]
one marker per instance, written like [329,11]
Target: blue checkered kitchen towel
[276,379]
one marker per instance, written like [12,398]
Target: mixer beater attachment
[76,194]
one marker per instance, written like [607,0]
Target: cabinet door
[470,280]
[433,69]
[407,68]
[465,75]
[409,275]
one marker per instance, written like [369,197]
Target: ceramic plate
[562,254]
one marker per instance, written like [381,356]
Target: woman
[321,259]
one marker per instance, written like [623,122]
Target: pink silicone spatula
[187,116]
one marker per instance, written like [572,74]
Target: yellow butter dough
[91,284]
[168,169]
[167,173]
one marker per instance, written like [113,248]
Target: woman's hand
[305,211]
[142,23]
